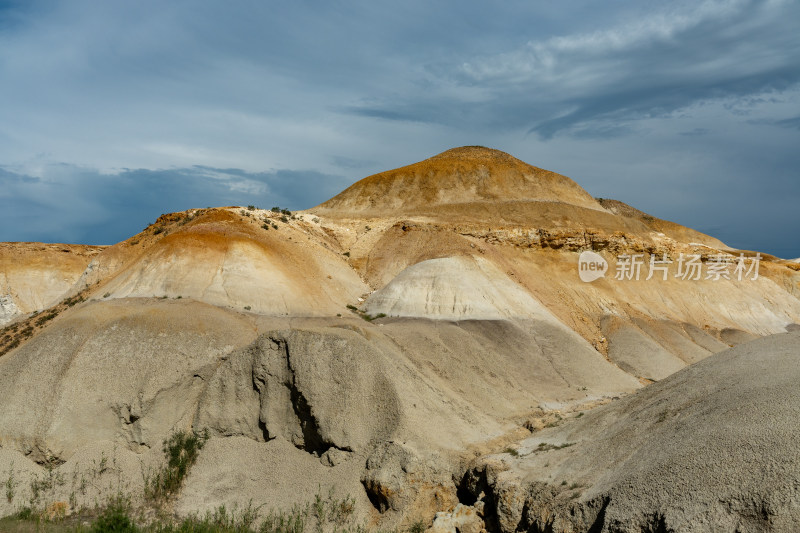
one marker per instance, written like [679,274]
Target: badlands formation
[423,343]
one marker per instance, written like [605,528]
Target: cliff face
[423,316]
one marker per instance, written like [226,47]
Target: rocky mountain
[380,344]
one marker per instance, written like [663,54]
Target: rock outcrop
[709,448]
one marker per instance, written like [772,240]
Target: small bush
[284,219]
[417,527]
[251,208]
[181,451]
[46,317]
[512,452]
[115,518]
[26,513]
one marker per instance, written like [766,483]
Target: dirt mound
[457,176]
[710,448]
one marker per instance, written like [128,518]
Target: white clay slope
[456,288]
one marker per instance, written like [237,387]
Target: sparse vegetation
[11,484]
[15,334]
[512,452]
[362,314]
[417,527]
[46,317]
[116,517]
[546,446]
[181,451]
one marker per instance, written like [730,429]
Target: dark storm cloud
[684,109]
[100,208]
[793,123]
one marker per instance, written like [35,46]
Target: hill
[710,448]
[378,342]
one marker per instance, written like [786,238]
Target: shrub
[417,527]
[46,317]
[26,513]
[115,518]
[181,451]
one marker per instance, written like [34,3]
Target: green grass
[118,515]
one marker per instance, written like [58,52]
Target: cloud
[697,132]
[649,66]
[674,107]
[792,123]
[83,205]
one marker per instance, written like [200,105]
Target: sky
[114,112]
